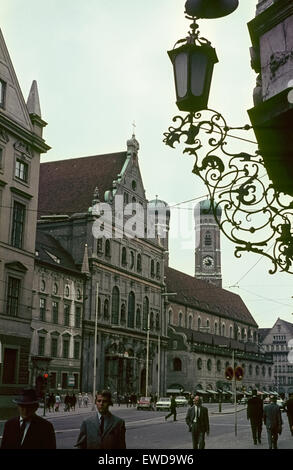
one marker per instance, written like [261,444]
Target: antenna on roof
[133,129]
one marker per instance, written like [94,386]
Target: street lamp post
[147,357]
[95,347]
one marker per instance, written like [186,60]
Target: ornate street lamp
[256,216]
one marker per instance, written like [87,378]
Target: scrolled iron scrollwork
[254,216]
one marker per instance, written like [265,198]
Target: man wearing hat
[103,430]
[28,431]
[255,415]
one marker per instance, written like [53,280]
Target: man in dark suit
[172,409]
[255,415]
[197,420]
[28,431]
[289,409]
[104,430]
[273,421]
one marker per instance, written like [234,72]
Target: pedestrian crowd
[107,431]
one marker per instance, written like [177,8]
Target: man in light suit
[104,430]
[197,419]
[28,431]
[273,421]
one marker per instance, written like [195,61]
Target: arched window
[198,323]
[177,364]
[99,306]
[145,313]
[209,364]
[219,365]
[152,268]
[199,363]
[123,314]
[250,369]
[108,248]
[208,239]
[208,323]
[263,370]
[131,260]
[170,313]
[131,309]
[138,319]
[216,328]
[124,256]
[256,370]
[99,245]
[190,322]
[106,309]
[138,263]
[158,273]
[180,318]
[223,329]
[231,331]
[115,305]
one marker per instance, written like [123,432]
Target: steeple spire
[33,101]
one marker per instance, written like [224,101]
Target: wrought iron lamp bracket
[244,202]
[193,35]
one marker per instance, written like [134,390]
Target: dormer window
[2,93]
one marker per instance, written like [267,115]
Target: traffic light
[45,376]
[239,373]
[229,373]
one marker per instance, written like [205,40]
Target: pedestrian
[255,415]
[79,399]
[172,409]
[57,401]
[28,431]
[85,400]
[67,403]
[273,421]
[289,410]
[197,420]
[104,430]
[73,402]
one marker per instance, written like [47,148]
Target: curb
[230,411]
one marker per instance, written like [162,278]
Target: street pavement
[149,430]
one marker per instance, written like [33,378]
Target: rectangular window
[9,366]
[54,347]
[43,309]
[18,225]
[65,348]
[66,314]
[76,385]
[41,351]
[76,349]
[53,380]
[77,316]
[13,293]
[21,170]
[55,308]
[64,380]
[2,93]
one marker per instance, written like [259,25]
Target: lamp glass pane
[199,64]
[180,64]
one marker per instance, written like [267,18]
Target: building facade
[57,314]
[21,144]
[101,202]
[278,343]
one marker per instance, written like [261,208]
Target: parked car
[163,404]
[243,401]
[145,403]
[281,404]
[181,401]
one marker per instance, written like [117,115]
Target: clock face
[208,262]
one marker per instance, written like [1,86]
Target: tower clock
[207,244]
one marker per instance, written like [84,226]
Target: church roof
[49,250]
[203,295]
[67,186]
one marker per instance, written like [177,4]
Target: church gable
[14,105]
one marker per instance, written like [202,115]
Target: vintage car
[145,403]
[163,404]
[181,401]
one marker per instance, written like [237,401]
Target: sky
[102,65]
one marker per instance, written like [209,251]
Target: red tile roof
[67,186]
[204,295]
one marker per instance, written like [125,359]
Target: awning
[173,390]
[231,393]
[212,392]
[202,392]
